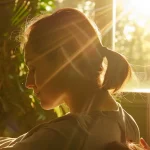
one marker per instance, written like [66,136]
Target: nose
[30,81]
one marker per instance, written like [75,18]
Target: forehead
[33,56]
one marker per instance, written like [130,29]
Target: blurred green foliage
[19,109]
[46,5]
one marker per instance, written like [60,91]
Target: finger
[144,144]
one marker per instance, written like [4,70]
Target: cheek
[39,82]
[49,101]
[54,87]
[47,82]
[50,98]
[41,77]
[54,90]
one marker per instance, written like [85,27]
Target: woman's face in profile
[43,80]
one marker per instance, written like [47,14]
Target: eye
[30,69]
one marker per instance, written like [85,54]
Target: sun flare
[137,6]
[139,11]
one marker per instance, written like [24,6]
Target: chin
[47,103]
[49,106]
[46,108]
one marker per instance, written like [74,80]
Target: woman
[64,54]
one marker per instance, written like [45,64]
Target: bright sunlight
[132,39]
[138,10]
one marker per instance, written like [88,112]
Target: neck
[101,100]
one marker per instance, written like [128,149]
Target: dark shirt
[77,132]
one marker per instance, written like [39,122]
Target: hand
[144,144]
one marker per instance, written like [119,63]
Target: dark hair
[77,38]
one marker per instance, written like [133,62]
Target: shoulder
[64,121]
[68,124]
[62,126]
[66,130]
[46,136]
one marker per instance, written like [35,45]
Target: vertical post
[114,24]
[148,118]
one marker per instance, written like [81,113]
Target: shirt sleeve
[5,141]
[43,139]
[132,129]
